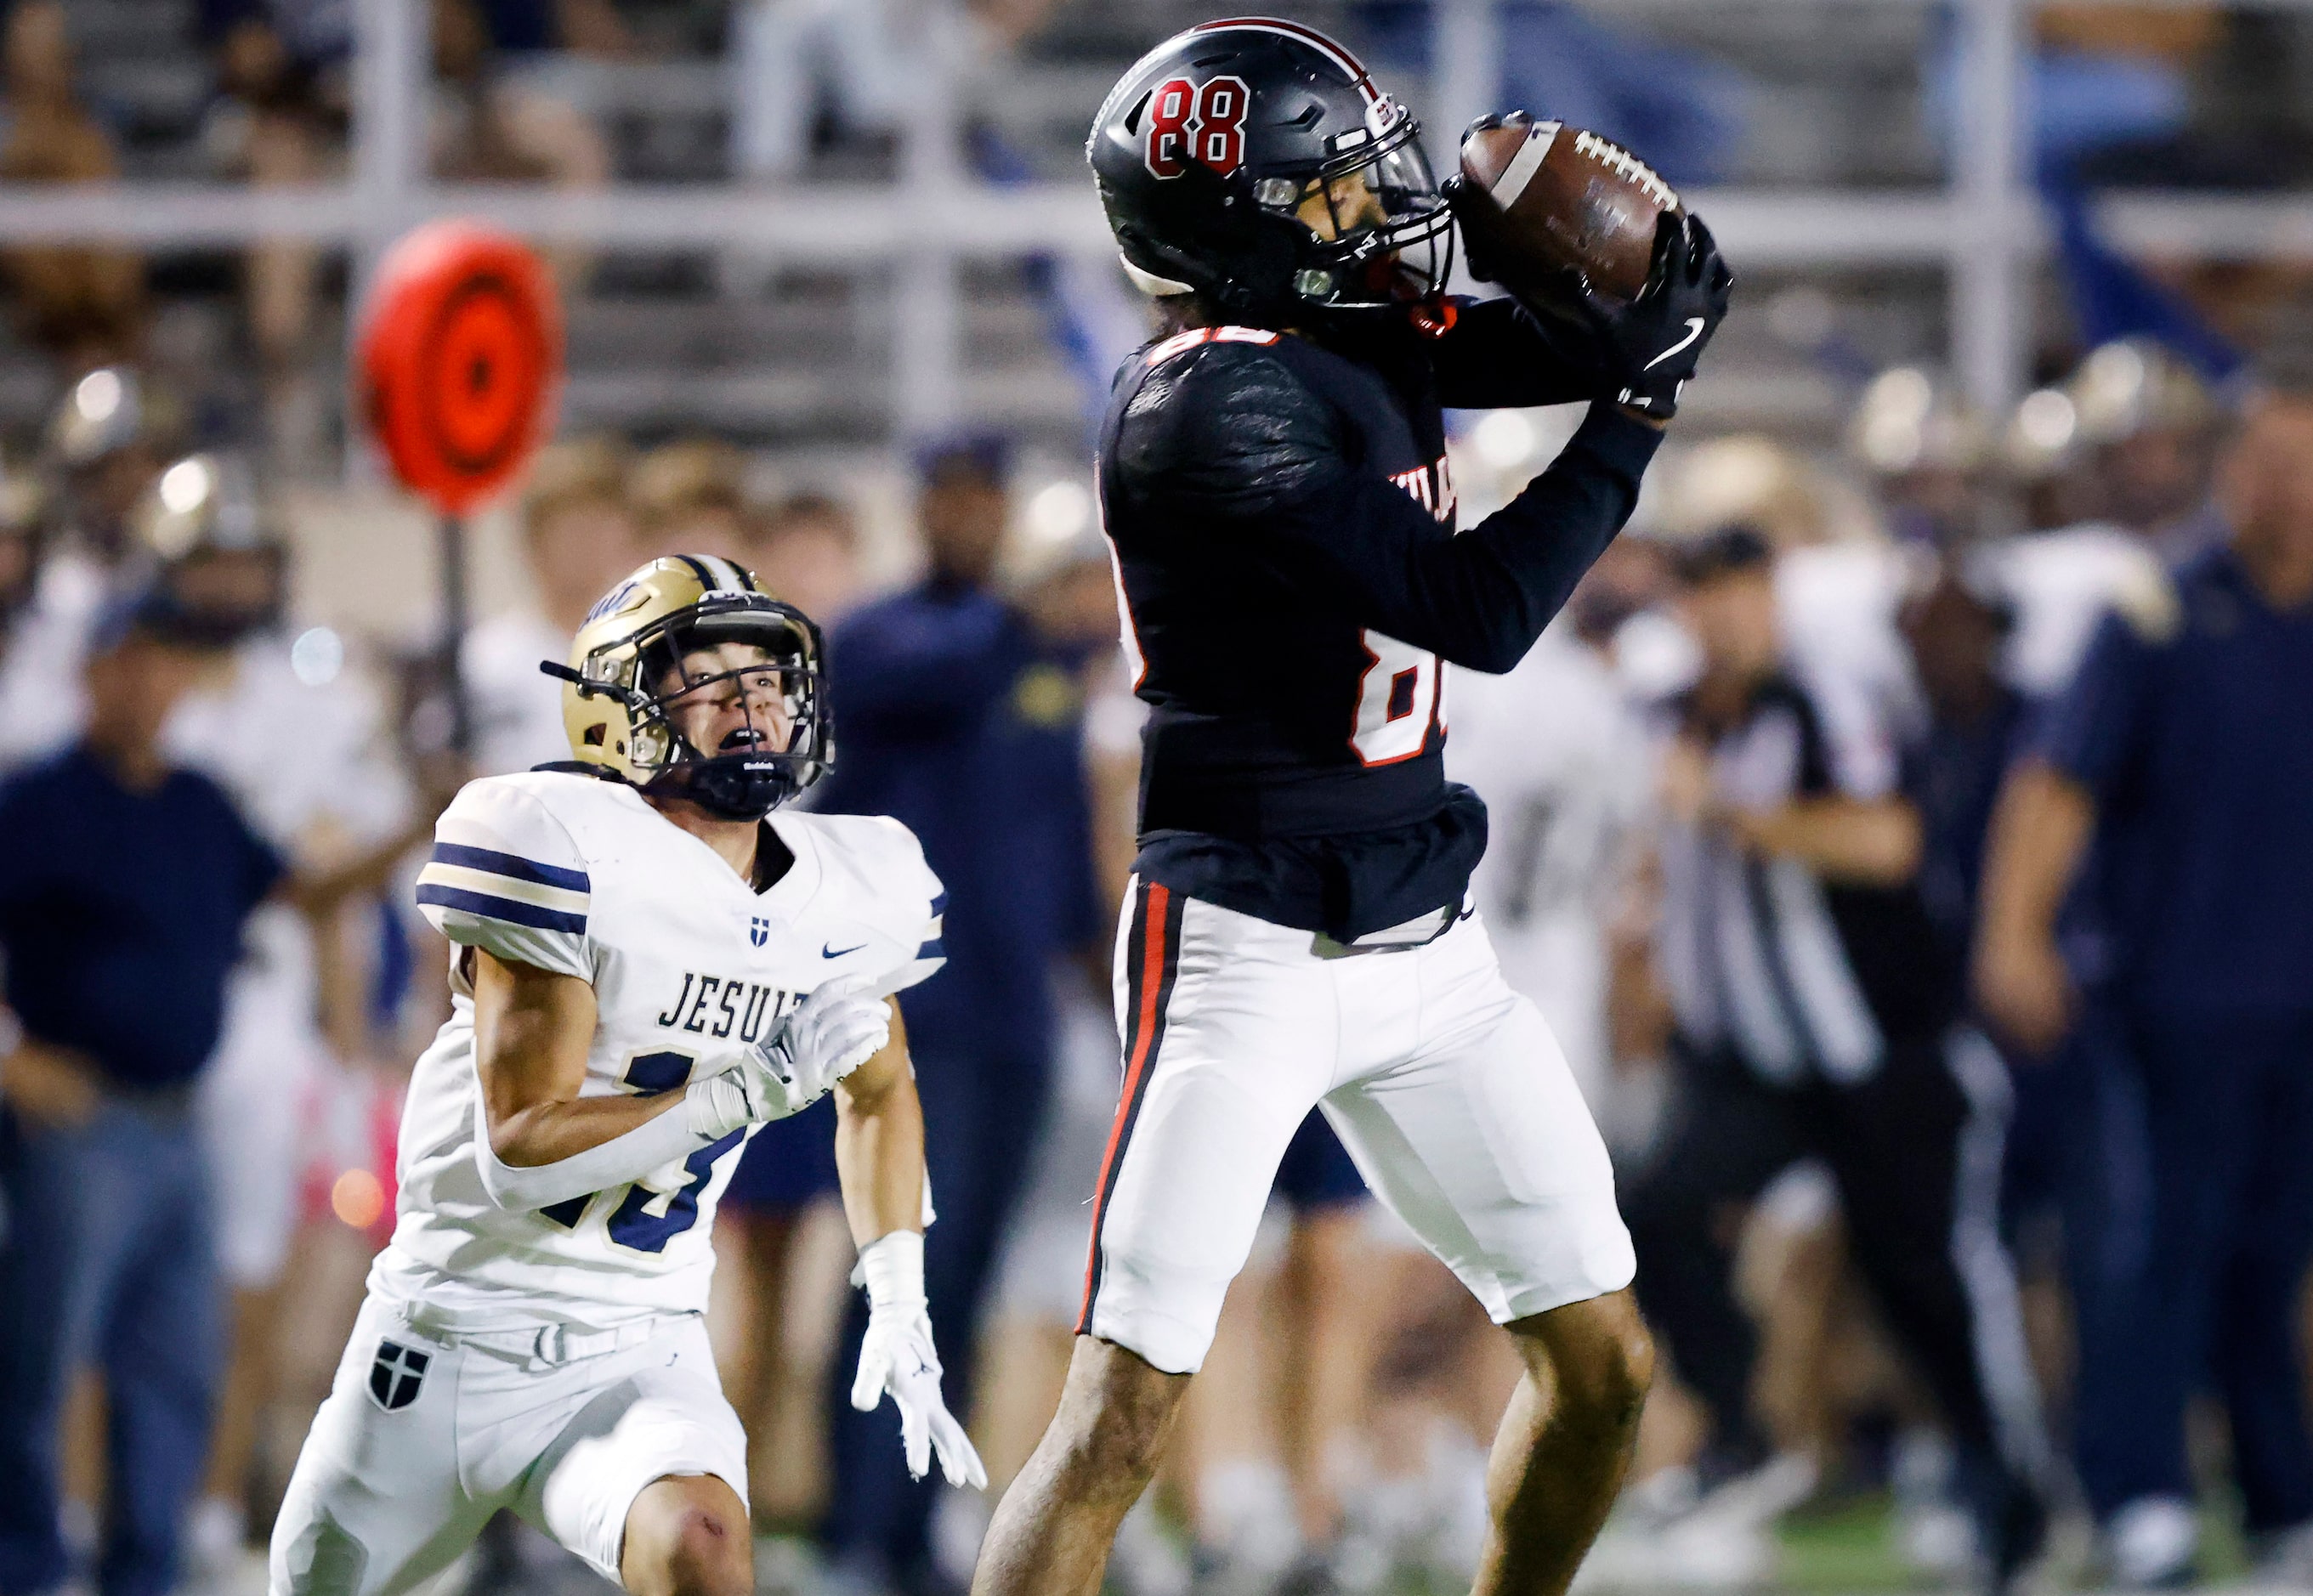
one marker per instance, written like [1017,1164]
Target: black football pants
[1916,1151]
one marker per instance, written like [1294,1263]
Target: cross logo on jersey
[396,1375]
[758,930]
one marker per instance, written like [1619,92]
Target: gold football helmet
[669,631]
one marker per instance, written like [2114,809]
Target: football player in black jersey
[1273,478]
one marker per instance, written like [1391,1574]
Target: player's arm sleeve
[505,876]
[1498,354]
[1240,440]
[2089,732]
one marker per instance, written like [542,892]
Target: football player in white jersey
[649,963]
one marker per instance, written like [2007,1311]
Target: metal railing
[1985,229]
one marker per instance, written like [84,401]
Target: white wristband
[892,1268]
[715,1107]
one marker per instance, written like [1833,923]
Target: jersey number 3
[1397,701]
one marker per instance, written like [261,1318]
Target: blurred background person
[84,304]
[122,874]
[125,882]
[2182,749]
[494,125]
[292,736]
[807,551]
[2150,428]
[1275,1426]
[691,498]
[2134,430]
[105,445]
[1927,453]
[46,606]
[958,719]
[579,535]
[280,119]
[810,70]
[1812,1018]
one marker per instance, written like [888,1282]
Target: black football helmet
[1252,161]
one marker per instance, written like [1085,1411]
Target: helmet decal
[616,599]
[1191,122]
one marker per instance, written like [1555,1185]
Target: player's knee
[1113,1426]
[698,1551]
[1597,1358]
[1622,1371]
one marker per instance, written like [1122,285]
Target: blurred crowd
[1908,849]
[578,93]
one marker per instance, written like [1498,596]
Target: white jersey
[690,966]
[1837,604]
[1562,760]
[2060,584]
[304,762]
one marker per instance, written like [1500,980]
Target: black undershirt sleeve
[1500,355]
[1480,599]
[1238,439]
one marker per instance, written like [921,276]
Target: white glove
[897,1356]
[830,1033]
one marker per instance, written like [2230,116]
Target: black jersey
[1284,526]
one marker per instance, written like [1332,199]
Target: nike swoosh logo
[830,950]
[1694,331]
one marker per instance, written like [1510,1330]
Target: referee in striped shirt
[1816,1015]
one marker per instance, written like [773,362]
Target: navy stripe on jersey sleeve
[537,917]
[511,865]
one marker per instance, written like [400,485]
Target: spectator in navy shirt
[958,717]
[124,886]
[2185,746]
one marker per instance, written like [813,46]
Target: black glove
[1647,349]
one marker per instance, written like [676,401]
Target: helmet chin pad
[743,786]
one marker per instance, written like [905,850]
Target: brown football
[1567,199]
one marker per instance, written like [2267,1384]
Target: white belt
[541,1347]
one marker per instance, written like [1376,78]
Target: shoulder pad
[1223,424]
[506,875]
[875,870]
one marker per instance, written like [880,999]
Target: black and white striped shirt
[1797,978]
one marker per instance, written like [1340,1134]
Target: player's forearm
[550,1133]
[879,1150]
[1482,598]
[586,1147]
[1498,354]
[2040,829]
[1847,840]
[318,891]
